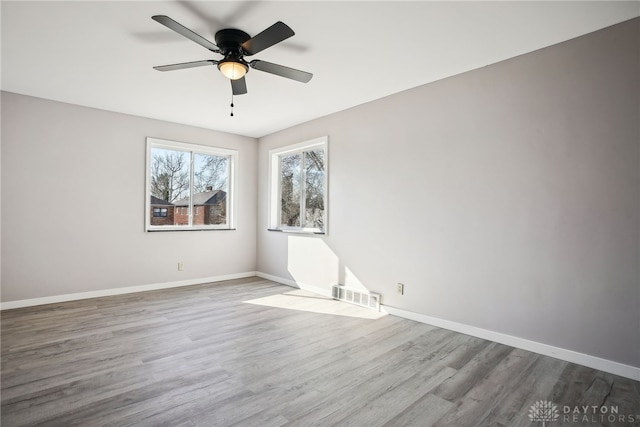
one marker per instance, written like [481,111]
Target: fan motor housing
[230,39]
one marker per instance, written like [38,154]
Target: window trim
[274,185]
[151,143]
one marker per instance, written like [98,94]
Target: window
[181,177]
[298,187]
[160,212]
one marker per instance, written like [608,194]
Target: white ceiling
[101,54]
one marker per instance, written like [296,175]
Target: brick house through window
[161,212]
[210,207]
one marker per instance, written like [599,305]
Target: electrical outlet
[180,266]
[400,288]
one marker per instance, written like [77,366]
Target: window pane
[314,188]
[210,189]
[169,180]
[290,167]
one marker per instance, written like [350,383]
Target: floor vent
[356,296]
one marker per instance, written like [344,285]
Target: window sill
[188,229]
[282,230]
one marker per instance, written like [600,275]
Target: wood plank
[536,384]
[473,372]
[425,412]
[490,391]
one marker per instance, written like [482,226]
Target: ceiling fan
[234,45]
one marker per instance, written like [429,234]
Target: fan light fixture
[233,70]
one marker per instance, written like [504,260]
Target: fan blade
[239,87]
[184,31]
[185,65]
[281,70]
[272,35]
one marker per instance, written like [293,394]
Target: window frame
[193,149]
[275,199]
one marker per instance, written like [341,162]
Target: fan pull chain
[232,105]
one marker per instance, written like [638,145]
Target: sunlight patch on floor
[308,301]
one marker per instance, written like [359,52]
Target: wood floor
[251,352]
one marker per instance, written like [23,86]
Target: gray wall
[506,198]
[73,203]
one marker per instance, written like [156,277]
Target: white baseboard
[294,284]
[533,346]
[119,291]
